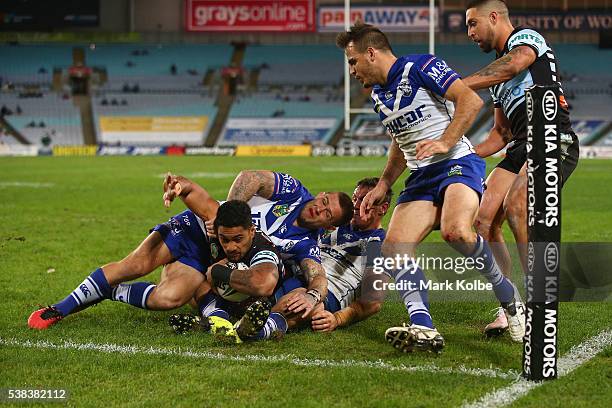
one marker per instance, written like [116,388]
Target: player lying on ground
[426,109]
[238,286]
[523,59]
[347,253]
[182,246]
[284,209]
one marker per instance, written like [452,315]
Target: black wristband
[220,274]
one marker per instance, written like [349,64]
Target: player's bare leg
[176,288]
[515,206]
[150,254]
[491,216]
[489,221]
[410,223]
[456,229]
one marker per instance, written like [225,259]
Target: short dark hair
[371,182]
[234,213]
[480,3]
[363,36]
[346,205]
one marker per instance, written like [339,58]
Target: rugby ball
[226,291]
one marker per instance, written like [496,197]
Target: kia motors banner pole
[544,223]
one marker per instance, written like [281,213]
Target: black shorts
[516,156]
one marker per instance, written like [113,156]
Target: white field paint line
[25,184]
[577,356]
[205,174]
[282,358]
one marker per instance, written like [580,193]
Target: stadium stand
[152,105]
[47,115]
[297,65]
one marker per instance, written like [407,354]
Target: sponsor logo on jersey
[455,171]
[280,209]
[314,252]
[438,71]
[287,247]
[407,120]
[529,38]
[405,88]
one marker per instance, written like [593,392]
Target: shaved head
[487,6]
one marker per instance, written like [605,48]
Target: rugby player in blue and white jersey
[291,217]
[185,249]
[523,59]
[286,211]
[346,253]
[426,109]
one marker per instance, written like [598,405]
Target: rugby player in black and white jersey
[523,59]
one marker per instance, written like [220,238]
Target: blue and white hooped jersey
[344,254]
[412,107]
[276,217]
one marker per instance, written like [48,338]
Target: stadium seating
[32,64]
[296,65]
[152,105]
[50,115]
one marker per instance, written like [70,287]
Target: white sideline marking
[25,184]
[282,358]
[574,358]
[202,174]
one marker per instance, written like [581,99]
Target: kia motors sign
[250,15]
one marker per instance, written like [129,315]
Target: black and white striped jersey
[510,95]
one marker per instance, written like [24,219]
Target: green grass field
[63,217]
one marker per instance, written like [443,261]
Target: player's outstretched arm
[502,69]
[317,289]
[467,104]
[499,136]
[396,164]
[259,280]
[357,311]
[195,197]
[252,182]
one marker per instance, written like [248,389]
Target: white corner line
[281,358]
[577,356]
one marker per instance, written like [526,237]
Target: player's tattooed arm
[259,280]
[315,275]
[499,136]
[502,69]
[252,182]
[195,197]
[305,302]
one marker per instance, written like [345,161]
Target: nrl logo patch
[405,88]
[280,210]
[455,171]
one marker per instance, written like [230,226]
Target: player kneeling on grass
[252,272]
[346,253]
